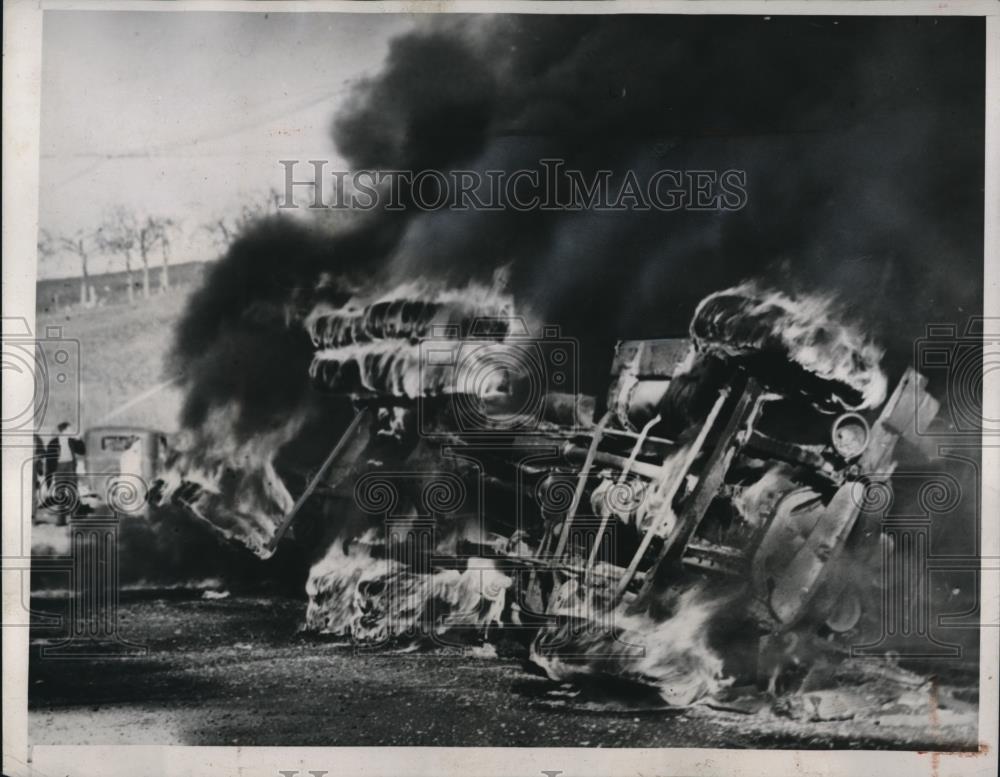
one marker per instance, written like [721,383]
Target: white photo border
[22,57]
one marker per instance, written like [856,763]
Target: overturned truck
[736,472]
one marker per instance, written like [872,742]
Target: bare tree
[226,228]
[152,232]
[48,247]
[119,235]
[218,230]
[168,226]
[79,244]
[146,240]
[221,232]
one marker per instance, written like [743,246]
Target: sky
[186,115]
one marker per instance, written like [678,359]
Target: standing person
[62,452]
[39,474]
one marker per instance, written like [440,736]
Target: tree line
[148,238]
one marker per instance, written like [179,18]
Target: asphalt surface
[237,670]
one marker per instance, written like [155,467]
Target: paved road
[237,671]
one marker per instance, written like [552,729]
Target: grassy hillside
[123,350]
[55,294]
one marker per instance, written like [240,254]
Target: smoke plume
[861,139]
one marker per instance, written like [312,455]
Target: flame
[410,311]
[374,601]
[805,329]
[379,345]
[411,342]
[756,502]
[397,368]
[232,483]
[364,347]
[671,655]
[647,505]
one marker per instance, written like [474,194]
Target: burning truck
[716,514]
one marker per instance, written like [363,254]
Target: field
[55,294]
[122,352]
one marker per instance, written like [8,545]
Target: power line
[165,148]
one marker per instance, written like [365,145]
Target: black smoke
[862,139]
